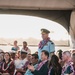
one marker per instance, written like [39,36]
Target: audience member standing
[15,47]
[46,43]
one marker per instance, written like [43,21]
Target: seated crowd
[24,63]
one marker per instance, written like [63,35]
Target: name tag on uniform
[46,45]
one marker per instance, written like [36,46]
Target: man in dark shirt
[42,68]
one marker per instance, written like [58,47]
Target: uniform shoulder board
[51,42]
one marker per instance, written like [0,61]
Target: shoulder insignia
[51,42]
